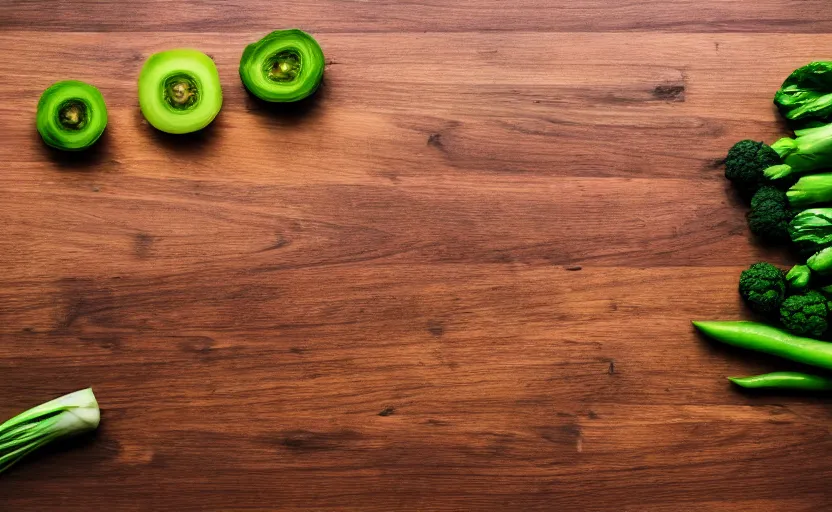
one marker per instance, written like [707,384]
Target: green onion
[63,417]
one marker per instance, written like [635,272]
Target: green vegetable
[772,210]
[805,314]
[770,215]
[284,66]
[811,189]
[806,93]
[821,261]
[763,287]
[179,91]
[771,340]
[812,229]
[826,291]
[745,165]
[750,165]
[66,416]
[784,380]
[810,150]
[71,115]
[798,278]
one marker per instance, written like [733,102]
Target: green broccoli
[805,315]
[770,215]
[807,93]
[745,165]
[750,164]
[763,286]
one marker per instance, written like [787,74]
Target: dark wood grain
[786,16]
[459,279]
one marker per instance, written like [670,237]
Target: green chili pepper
[284,66]
[785,380]
[771,340]
[179,91]
[71,115]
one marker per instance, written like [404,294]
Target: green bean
[771,340]
[785,380]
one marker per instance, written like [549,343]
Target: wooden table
[460,279]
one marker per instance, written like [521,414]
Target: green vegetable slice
[66,416]
[71,115]
[179,91]
[284,66]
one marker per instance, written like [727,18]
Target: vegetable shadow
[764,394]
[737,199]
[784,125]
[85,160]
[42,458]
[183,143]
[293,113]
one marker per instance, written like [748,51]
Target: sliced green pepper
[784,380]
[179,91]
[771,340]
[71,115]
[284,66]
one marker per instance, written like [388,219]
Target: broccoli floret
[770,215]
[745,164]
[763,286]
[769,193]
[805,314]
